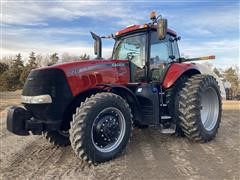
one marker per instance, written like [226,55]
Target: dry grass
[231,105]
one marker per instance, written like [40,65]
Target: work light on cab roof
[158,23]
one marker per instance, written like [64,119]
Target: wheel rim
[209,108]
[108,129]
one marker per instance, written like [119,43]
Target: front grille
[52,82]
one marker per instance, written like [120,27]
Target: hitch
[21,122]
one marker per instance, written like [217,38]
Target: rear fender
[178,69]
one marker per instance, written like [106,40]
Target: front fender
[176,70]
[129,96]
[123,91]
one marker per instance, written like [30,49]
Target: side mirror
[161,28]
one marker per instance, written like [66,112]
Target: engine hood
[81,63]
[85,74]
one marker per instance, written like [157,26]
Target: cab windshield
[131,48]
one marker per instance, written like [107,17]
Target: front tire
[58,138]
[101,128]
[200,108]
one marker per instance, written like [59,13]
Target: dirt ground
[149,155]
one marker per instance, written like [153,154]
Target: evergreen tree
[84,57]
[17,62]
[15,72]
[32,60]
[32,64]
[53,59]
[25,74]
[9,81]
[3,67]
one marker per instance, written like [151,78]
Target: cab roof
[133,28]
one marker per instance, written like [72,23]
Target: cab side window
[159,56]
[175,49]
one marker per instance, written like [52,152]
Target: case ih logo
[119,64]
[75,71]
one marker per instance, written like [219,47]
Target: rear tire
[200,108]
[172,100]
[101,128]
[58,138]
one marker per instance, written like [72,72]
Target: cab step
[166,117]
[170,130]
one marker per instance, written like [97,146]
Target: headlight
[41,99]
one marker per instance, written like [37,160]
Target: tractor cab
[149,56]
[149,48]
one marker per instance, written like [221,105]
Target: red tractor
[93,105]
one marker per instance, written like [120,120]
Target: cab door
[133,49]
[159,57]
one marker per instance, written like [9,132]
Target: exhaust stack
[97,45]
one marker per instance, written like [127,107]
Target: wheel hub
[108,129]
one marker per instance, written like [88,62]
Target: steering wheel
[131,55]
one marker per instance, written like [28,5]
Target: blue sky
[207,27]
